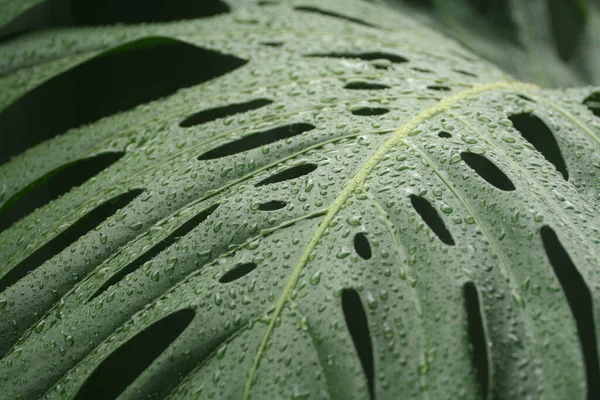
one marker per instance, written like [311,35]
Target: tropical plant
[264,200]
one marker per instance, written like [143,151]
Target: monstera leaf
[550,42]
[275,200]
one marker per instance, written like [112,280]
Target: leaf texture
[332,202]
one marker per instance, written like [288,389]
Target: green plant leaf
[550,42]
[292,200]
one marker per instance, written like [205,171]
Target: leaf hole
[487,170]
[466,73]
[536,132]
[592,102]
[363,85]
[335,15]
[257,140]
[444,135]
[423,70]
[158,248]
[212,114]
[272,205]
[237,272]
[431,217]
[358,326]
[370,111]
[64,239]
[273,43]
[367,56]
[288,174]
[439,88]
[477,337]
[362,246]
[580,301]
[522,96]
[52,185]
[128,361]
[116,81]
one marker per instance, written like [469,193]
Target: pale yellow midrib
[358,180]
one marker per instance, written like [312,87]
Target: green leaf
[292,200]
[551,42]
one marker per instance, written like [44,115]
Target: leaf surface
[352,214]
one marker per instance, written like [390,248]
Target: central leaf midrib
[356,181]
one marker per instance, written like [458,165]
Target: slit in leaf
[477,337]
[335,15]
[522,96]
[128,361]
[363,85]
[358,326]
[439,88]
[237,272]
[466,73]
[580,301]
[370,111]
[70,13]
[53,185]
[212,114]
[423,70]
[177,234]
[431,217]
[272,43]
[288,174]
[272,205]
[592,102]
[444,135]
[67,237]
[488,171]
[116,81]
[536,132]
[367,56]
[256,140]
[362,246]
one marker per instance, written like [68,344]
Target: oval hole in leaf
[439,88]
[370,111]
[64,239]
[477,337]
[367,56]
[488,171]
[158,248]
[579,297]
[431,217]
[52,185]
[272,205]
[272,43]
[67,13]
[127,362]
[212,114]
[363,85]
[256,140]
[335,15]
[288,174]
[358,326]
[237,272]
[536,132]
[444,135]
[362,246]
[116,81]
[592,102]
